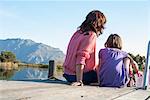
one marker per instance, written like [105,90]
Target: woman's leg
[88,77]
[70,78]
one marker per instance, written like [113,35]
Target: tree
[139,59]
[7,56]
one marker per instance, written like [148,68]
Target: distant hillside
[29,51]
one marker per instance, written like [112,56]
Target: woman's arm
[97,70]
[84,51]
[79,75]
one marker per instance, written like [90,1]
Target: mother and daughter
[114,68]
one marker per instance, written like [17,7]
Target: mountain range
[28,51]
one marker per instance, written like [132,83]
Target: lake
[28,73]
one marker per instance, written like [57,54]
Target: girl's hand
[139,74]
[77,84]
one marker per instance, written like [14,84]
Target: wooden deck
[58,90]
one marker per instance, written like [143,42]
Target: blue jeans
[88,77]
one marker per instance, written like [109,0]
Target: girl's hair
[94,21]
[114,41]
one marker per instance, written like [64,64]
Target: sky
[54,22]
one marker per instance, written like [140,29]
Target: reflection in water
[30,73]
[6,74]
[27,73]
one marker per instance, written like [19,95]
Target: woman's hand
[77,84]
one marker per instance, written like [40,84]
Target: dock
[61,90]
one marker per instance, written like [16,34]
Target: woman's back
[80,49]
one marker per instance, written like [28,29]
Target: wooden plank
[136,95]
[51,69]
[24,90]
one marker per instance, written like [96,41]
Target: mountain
[29,51]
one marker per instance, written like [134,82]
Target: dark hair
[114,41]
[94,21]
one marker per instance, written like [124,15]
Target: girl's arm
[134,66]
[126,62]
[79,75]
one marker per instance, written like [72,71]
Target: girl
[114,68]
[79,65]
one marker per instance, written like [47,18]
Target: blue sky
[54,22]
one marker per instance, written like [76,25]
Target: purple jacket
[112,72]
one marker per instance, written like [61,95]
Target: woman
[80,61]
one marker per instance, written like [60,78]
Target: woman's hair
[114,41]
[94,21]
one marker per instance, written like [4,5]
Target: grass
[33,65]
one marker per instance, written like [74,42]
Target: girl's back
[112,71]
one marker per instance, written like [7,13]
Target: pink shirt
[81,50]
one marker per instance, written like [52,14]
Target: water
[27,73]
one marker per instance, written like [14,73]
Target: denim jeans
[88,77]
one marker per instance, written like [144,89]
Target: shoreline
[13,65]
[8,65]
[33,65]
